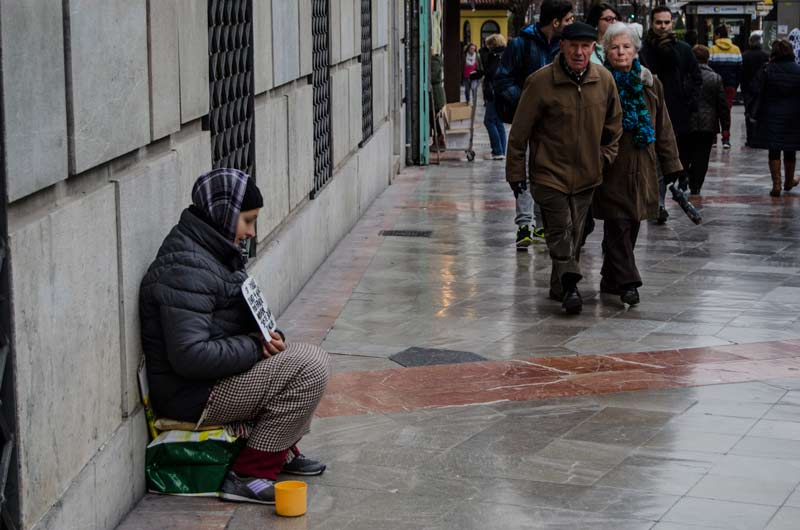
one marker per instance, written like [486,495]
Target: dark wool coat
[679,72]
[712,107]
[195,321]
[630,185]
[778,119]
[752,61]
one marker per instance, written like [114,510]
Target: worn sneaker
[524,237]
[726,144]
[630,296]
[244,489]
[498,157]
[303,466]
[538,232]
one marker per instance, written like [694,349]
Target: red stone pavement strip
[408,389]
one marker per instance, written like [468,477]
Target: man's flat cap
[578,31]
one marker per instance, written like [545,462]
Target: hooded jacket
[194,319]
[515,67]
[572,129]
[726,60]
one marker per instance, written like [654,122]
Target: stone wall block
[194,159]
[380,86]
[149,206]
[285,41]
[110,94]
[193,51]
[374,166]
[356,121]
[66,313]
[344,203]
[114,471]
[262,41]
[335,31]
[272,161]
[380,23]
[301,145]
[33,96]
[348,24]
[165,83]
[340,92]
[75,510]
[306,39]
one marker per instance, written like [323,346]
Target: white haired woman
[629,193]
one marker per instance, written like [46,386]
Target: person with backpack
[491,55]
[534,48]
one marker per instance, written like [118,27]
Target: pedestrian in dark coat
[207,360]
[752,60]
[712,117]
[673,62]
[495,46]
[629,192]
[776,109]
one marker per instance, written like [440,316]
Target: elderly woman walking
[207,361]
[776,111]
[629,193]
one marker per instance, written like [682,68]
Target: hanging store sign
[721,10]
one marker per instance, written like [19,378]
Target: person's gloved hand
[673,177]
[518,187]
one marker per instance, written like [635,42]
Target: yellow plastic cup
[290,498]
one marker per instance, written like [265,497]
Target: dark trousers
[564,221]
[700,147]
[619,264]
[684,142]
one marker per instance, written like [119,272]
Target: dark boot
[572,302]
[630,296]
[775,173]
[788,169]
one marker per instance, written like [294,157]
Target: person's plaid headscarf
[219,194]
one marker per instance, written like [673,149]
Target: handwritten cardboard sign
[258,306]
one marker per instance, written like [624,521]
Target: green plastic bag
[190,463]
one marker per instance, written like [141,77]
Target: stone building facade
[106,126]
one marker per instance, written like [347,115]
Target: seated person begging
[207,361]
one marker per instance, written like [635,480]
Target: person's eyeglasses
[570,19]
[610,20]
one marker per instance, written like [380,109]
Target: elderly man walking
[570,118]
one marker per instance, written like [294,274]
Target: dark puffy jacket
[679,72]
[778,115]
[515,68]
[195,321]
[712,113]
[491,62]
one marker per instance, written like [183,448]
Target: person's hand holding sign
[274,346]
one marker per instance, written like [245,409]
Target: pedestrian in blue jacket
[535,47]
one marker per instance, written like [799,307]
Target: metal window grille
[232,90]
[321,79]
[366,70]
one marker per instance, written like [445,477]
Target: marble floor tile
[720,514]
[744,490]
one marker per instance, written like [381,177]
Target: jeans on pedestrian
[496,129]
[467,87]
[527,211]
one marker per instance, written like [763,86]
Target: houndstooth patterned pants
[276,397]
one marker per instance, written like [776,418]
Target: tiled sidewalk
[682,413]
